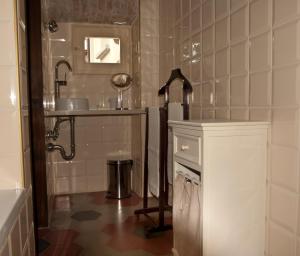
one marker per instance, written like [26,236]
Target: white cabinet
[230,159]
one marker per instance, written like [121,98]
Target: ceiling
[93,11]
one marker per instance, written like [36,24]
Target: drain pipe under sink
[54,135]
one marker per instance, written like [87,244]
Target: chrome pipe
[54,134]
[52,147]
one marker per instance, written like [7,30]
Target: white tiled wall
[15,169]
[136,121]
[10,136]
[136,63]
[97,88]
[149,36]
[20,240]
[95,137]
[48,122]
[145,59]
[246,53]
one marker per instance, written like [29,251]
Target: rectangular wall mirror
[102,50]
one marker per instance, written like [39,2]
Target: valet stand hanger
[163,161]
[186,88]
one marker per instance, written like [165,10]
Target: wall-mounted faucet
[58,82]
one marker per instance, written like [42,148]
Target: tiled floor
[91,225]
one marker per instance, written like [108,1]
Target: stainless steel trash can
[119,178]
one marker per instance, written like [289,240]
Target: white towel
[153,150]
[175,113]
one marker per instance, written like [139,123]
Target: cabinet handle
[184,147]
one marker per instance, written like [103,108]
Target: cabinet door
[234,193]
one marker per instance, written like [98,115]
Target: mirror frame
[80,32]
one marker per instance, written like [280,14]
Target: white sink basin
[71,104]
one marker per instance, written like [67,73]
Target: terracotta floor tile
[60,237]
[72,250]
[99,198]
[62,203]
[117,232]
[131,235]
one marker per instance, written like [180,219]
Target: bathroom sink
[71,104]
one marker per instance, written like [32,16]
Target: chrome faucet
[58,82]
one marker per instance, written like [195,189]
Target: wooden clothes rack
[163,159]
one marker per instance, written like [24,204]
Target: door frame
[35,86]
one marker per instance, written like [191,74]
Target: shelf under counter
[95,112]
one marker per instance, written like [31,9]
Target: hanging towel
[175,113]
[153,150]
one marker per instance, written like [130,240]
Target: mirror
[102,50]
[122,82]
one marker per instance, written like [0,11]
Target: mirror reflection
[102,50]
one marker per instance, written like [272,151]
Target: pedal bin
[119,178]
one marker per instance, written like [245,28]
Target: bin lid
[118,157]
[119,161]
